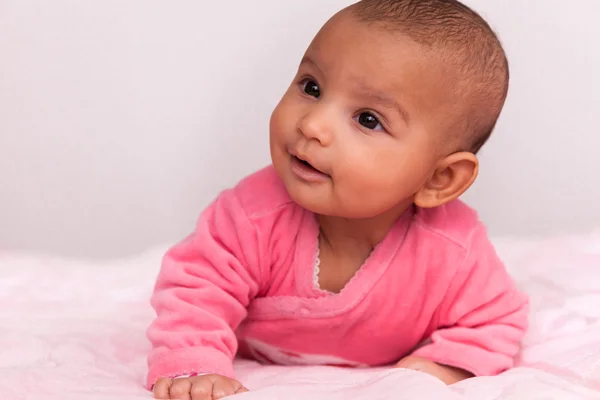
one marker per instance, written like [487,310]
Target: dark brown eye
[368,121]
[311,88]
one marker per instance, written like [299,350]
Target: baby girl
[352,249]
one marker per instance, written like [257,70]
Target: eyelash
[303,82]
[374,115]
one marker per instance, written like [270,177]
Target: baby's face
[358,131]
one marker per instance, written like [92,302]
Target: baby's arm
[201,295]
[481,321]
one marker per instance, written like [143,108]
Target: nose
[317,124]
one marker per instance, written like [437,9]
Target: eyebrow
[308,60]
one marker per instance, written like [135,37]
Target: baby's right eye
[311,88]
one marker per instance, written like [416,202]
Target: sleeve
[483,317]
[202,292]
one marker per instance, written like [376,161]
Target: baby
[352,248]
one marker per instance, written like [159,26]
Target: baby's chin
[329,206]
[317,204]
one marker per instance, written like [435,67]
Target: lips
[306,171]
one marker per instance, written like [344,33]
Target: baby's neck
[341,234]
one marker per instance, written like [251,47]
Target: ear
[452,177]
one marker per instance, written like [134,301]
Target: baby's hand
[448,375]
[204,387]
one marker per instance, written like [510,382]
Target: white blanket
[75,330]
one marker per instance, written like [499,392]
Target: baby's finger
[202,389]
[222,388]
[239,388]
[180,389]
[161,388]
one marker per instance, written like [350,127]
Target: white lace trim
[317,270]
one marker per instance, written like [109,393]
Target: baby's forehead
[354,48]
[375,46]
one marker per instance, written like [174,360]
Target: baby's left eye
[368,121]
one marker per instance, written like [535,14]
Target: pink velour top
[246,282]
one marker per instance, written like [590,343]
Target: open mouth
[306,171]
[304,163]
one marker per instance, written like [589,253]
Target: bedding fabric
[75,330]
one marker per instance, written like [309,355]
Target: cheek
[275,122]
[283,117]
[380,177]
[281,130]
[370,162]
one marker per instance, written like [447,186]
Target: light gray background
[120,120]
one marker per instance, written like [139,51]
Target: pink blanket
[74,330]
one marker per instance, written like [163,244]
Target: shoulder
[459,241]
[262,193]
[454,223]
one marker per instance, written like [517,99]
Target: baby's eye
[368,121]
[311,88]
